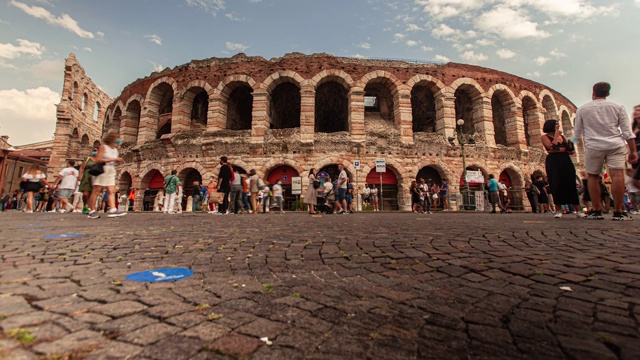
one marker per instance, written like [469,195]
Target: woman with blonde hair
[108,156]
[34,179]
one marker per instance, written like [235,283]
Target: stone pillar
[403,116]
[181,115]
[514,126]
[445,114]
[259,116]
[483,119]
[217,114]
[307,114]
[189,204]
[128,128]
[536,120]
[148,124]
[356,115]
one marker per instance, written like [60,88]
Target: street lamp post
[462,140]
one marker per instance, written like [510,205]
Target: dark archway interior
[566,123]
[384,108]
[164,129]
[464,110]
[285,106]
[166,102]
[332,108]
[499,127]
[423,109]
[528,108]
[333,171]
[115,124]
[429,174]
[133,111]
[240,108]
[200,108]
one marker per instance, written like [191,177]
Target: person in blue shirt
[494,197]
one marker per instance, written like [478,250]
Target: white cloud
[46,70]
[236,46]
[484,42]
[358,56]
[442,9]
[64,21]
[210,6]
[534,74]
[413,27]
[462,47]
[472,57]
[637,2]
[559,73]
[441,58]
[4,65]
[154,39]
[10,51]
[505,54]
[399,36]
[557,53]
[446,32]
[100,34]
[541,60]
[364,45]
[157,67]
[87,49]
[509,24]
[32,109]
[566,9]
[426,48]
[411,43]
[232,16]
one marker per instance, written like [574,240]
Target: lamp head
[451,139]
[460,122]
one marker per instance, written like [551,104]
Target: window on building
[371,103]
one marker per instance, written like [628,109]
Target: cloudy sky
[565,44]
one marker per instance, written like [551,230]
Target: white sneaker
[580,215]
[558,215]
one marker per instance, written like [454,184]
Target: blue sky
[565,44]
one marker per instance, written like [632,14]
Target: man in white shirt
[341,192]
[68,180]
[607,134]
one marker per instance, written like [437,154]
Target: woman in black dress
[560,169]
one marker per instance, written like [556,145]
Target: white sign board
[296,185]
[479,200]
[356,164]
[474,176]
[381,165]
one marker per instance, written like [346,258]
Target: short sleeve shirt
[171,184]
[493,185]
[342,180]
[69,178]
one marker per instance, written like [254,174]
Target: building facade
[286,115]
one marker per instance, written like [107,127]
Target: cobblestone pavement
[377,286]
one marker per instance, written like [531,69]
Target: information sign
[381,165]
[296,185]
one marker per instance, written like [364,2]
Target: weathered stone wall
[80,116]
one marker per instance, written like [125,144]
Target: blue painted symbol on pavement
[62,236]
[160,275]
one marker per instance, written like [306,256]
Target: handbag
[570,146]
[216,198]
[97,169]
[316,184]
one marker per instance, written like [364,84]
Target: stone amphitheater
[284,116]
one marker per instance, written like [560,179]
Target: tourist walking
[107,156]
[171,186]
[33,179]
[225,176]
[560,169]
[311,196]
[196,197]
[278,195]
[86,185]
[444,195]
[68,181]
[211,197]
[608,136]
[494,197]
[236,193]
[131,198]
[341,191]
[415,197]
[147,197]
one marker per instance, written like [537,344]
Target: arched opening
[333,171]
[85,99]
[388,196]
[332,108]
[96,111]
[475,188]
[187,177]
[499,109]
[130,132]
[423,109]
[240,107]
[550,108]
[74,145]
[115,123]
[567,127]
[514,185]
[529,108]
[84,146]
[284,174]
[124,183]
[198,98]
[96,144]
[431,174]
[161,100]
[464,106]
[164,129]
[74,90]
[285,106]
[378,100]
[154,180]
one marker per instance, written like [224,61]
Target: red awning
[388,178]
[507,179]
[157,182]
[282,173]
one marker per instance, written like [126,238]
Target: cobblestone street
[376,286]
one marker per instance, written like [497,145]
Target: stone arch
[96,143]
[125,182]
[549,104]
[392,195]
[336,75]
[434,84]
[85,150]
[504,106]
[74,145]
[85,101]
[515,183]
[234,102]
[332,105]
[284,99]
[424,90]
[116,119]
[271,164]
[131,122]
[158,106]
[96,111]
[189,165]
[74,90]
[469,97]
[382,98]
[532,118]
[515,173]
[431,171]
[565,121]
[152,167]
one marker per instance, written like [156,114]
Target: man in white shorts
[68,180]
[607,134]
